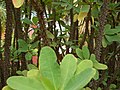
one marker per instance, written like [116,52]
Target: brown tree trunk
[0,56]
[8,37]
[102,21]
[0,39]
[20,35]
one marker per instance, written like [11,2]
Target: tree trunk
[8,37]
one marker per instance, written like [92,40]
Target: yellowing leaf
[75,18]
[82,15]
[17,3]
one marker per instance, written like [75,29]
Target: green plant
[50,76]
[27,48]
[111,35]
[84,54]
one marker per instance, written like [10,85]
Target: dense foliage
[60,44]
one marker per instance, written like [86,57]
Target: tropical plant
[51,76]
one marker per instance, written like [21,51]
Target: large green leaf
[84,65]
[17,3]
[48,65]
[80,80]
[24,83]
[34,73]
[47,83]
[67,67]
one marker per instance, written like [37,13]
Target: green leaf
[47,84]
[112,31]
[92,57]
[100,66]
[96,77]
[99,88]
[17,3]
[49,34]
[113,86]
[23,46]
[79,53]
[31,66]
[19,72]
[28,56]
[34,45]
[49,66]
[34,73]
[6,88]
[87,88]
[68,68]
[95,11]
[24,83]
[21,43]
[107,27]
[26,21]
[104,42]
[86,53]
[35,20]
[85,8]
[24,72]
[84,65]
[113,38]
[81,80]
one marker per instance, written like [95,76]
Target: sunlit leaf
[48,65]
[68,68]
[24,83]
[84,64]
[80,80]
[17,3]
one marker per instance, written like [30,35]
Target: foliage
[82,33]
[51,76]
[91,61]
